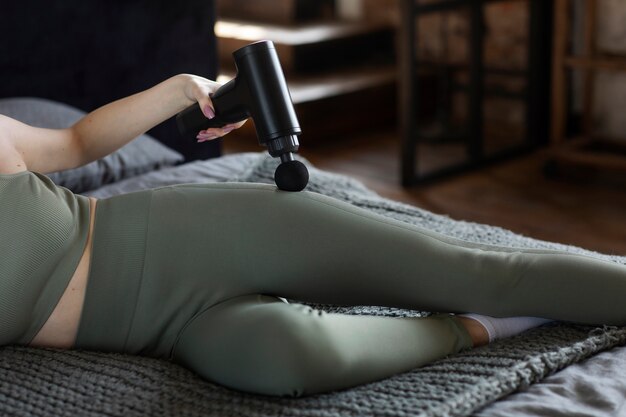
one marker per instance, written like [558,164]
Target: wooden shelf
[597,63]
[304,34]
[322,86]
[286,12]
[312,47]
[330,104]
[585,151]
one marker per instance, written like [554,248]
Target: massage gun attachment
[258,91]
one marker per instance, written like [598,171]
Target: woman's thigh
[238,239]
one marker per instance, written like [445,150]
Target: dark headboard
[87,53]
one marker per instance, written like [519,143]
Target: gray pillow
[141,155]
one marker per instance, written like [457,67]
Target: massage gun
[258,91]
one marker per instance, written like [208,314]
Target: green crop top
[43,233]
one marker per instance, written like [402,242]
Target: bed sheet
[592,388]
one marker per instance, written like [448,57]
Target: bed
[558,369]
[54,382]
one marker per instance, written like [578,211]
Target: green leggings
[193,273]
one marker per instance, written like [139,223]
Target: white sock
[498,328]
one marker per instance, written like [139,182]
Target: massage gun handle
[192,120]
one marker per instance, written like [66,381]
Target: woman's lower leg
[259,344]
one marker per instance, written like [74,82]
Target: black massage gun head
[291,175]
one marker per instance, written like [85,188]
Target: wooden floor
[514,195]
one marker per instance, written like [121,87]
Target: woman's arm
[104,130]
[110,127]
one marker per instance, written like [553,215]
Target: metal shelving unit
[536,77]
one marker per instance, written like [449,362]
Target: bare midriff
[60,329]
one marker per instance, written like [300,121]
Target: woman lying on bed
[194,272]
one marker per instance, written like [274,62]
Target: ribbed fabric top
[43,232]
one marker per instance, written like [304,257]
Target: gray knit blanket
[49,382]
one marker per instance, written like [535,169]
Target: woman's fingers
[213,133]
[199,89]
[204,135]
[218,132]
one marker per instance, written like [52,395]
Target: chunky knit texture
[47,382]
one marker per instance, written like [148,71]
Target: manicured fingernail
[208,112]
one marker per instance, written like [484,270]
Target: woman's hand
[197,89]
